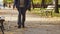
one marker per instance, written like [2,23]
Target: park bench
[49,9]
[1,24]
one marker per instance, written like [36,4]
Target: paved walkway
[34,24]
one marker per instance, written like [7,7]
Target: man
[22,6]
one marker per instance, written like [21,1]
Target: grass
[56,14]
[38,12]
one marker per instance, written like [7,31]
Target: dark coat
[27,3]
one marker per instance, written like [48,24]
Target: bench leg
[51,13]
[46,13]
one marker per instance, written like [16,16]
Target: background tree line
[41,3]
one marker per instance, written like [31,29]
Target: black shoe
[23,26]
[19,26]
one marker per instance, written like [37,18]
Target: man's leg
[19,18]
[23,17]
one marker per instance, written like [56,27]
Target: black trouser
[21,16]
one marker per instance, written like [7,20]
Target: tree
[32,4]
[43,3]
[56,6]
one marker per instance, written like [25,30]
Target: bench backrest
[50,7]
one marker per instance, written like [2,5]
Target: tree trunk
[43,3]
[32,4]
[56,6]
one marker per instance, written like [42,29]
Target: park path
[34,23]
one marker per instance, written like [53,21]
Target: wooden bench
[49,9]
[1,24]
